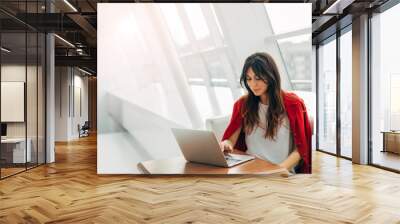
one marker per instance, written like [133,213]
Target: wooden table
[178,165]
[391,141]
[13,150]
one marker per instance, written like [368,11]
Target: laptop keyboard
[231,159]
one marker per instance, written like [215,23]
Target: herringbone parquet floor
[70,191]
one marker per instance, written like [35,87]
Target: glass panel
[32,7]
[174,24]
[41,98]
[14,6]
[346,94]
[20,93]
[202,101]
[385,85]
[197,20]
[327,97]
[296,54]
[31,100]
[299,17]
[41,6]
[225,99]
[294,43]
[216,20]
[313,107]
[13,87]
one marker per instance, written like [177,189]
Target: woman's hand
[291,161]
[226,146]
[285,172]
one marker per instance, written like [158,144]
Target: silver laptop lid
[199,146]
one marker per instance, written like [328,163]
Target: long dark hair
[264,67]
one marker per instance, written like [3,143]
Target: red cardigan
[299,126]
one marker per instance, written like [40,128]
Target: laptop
[203,147]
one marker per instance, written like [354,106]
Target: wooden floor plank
[70,191]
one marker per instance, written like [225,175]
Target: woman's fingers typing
[226,146]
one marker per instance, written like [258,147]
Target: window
[225,99]
[299,17]
[346,94]
[202,101]
[385,88]
[197,20]
[174,24]
[327,97]
[296,54]
[294,40]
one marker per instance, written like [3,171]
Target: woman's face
[256,84]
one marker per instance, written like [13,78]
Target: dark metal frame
[316,120]
[0,93]
[45,89]
[338,97]
[369,78]
[26,89]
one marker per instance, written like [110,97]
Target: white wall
[82,83]
[61,103]
[69,82]
[12,73]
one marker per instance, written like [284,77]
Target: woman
[268,122]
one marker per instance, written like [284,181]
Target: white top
[275,151]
